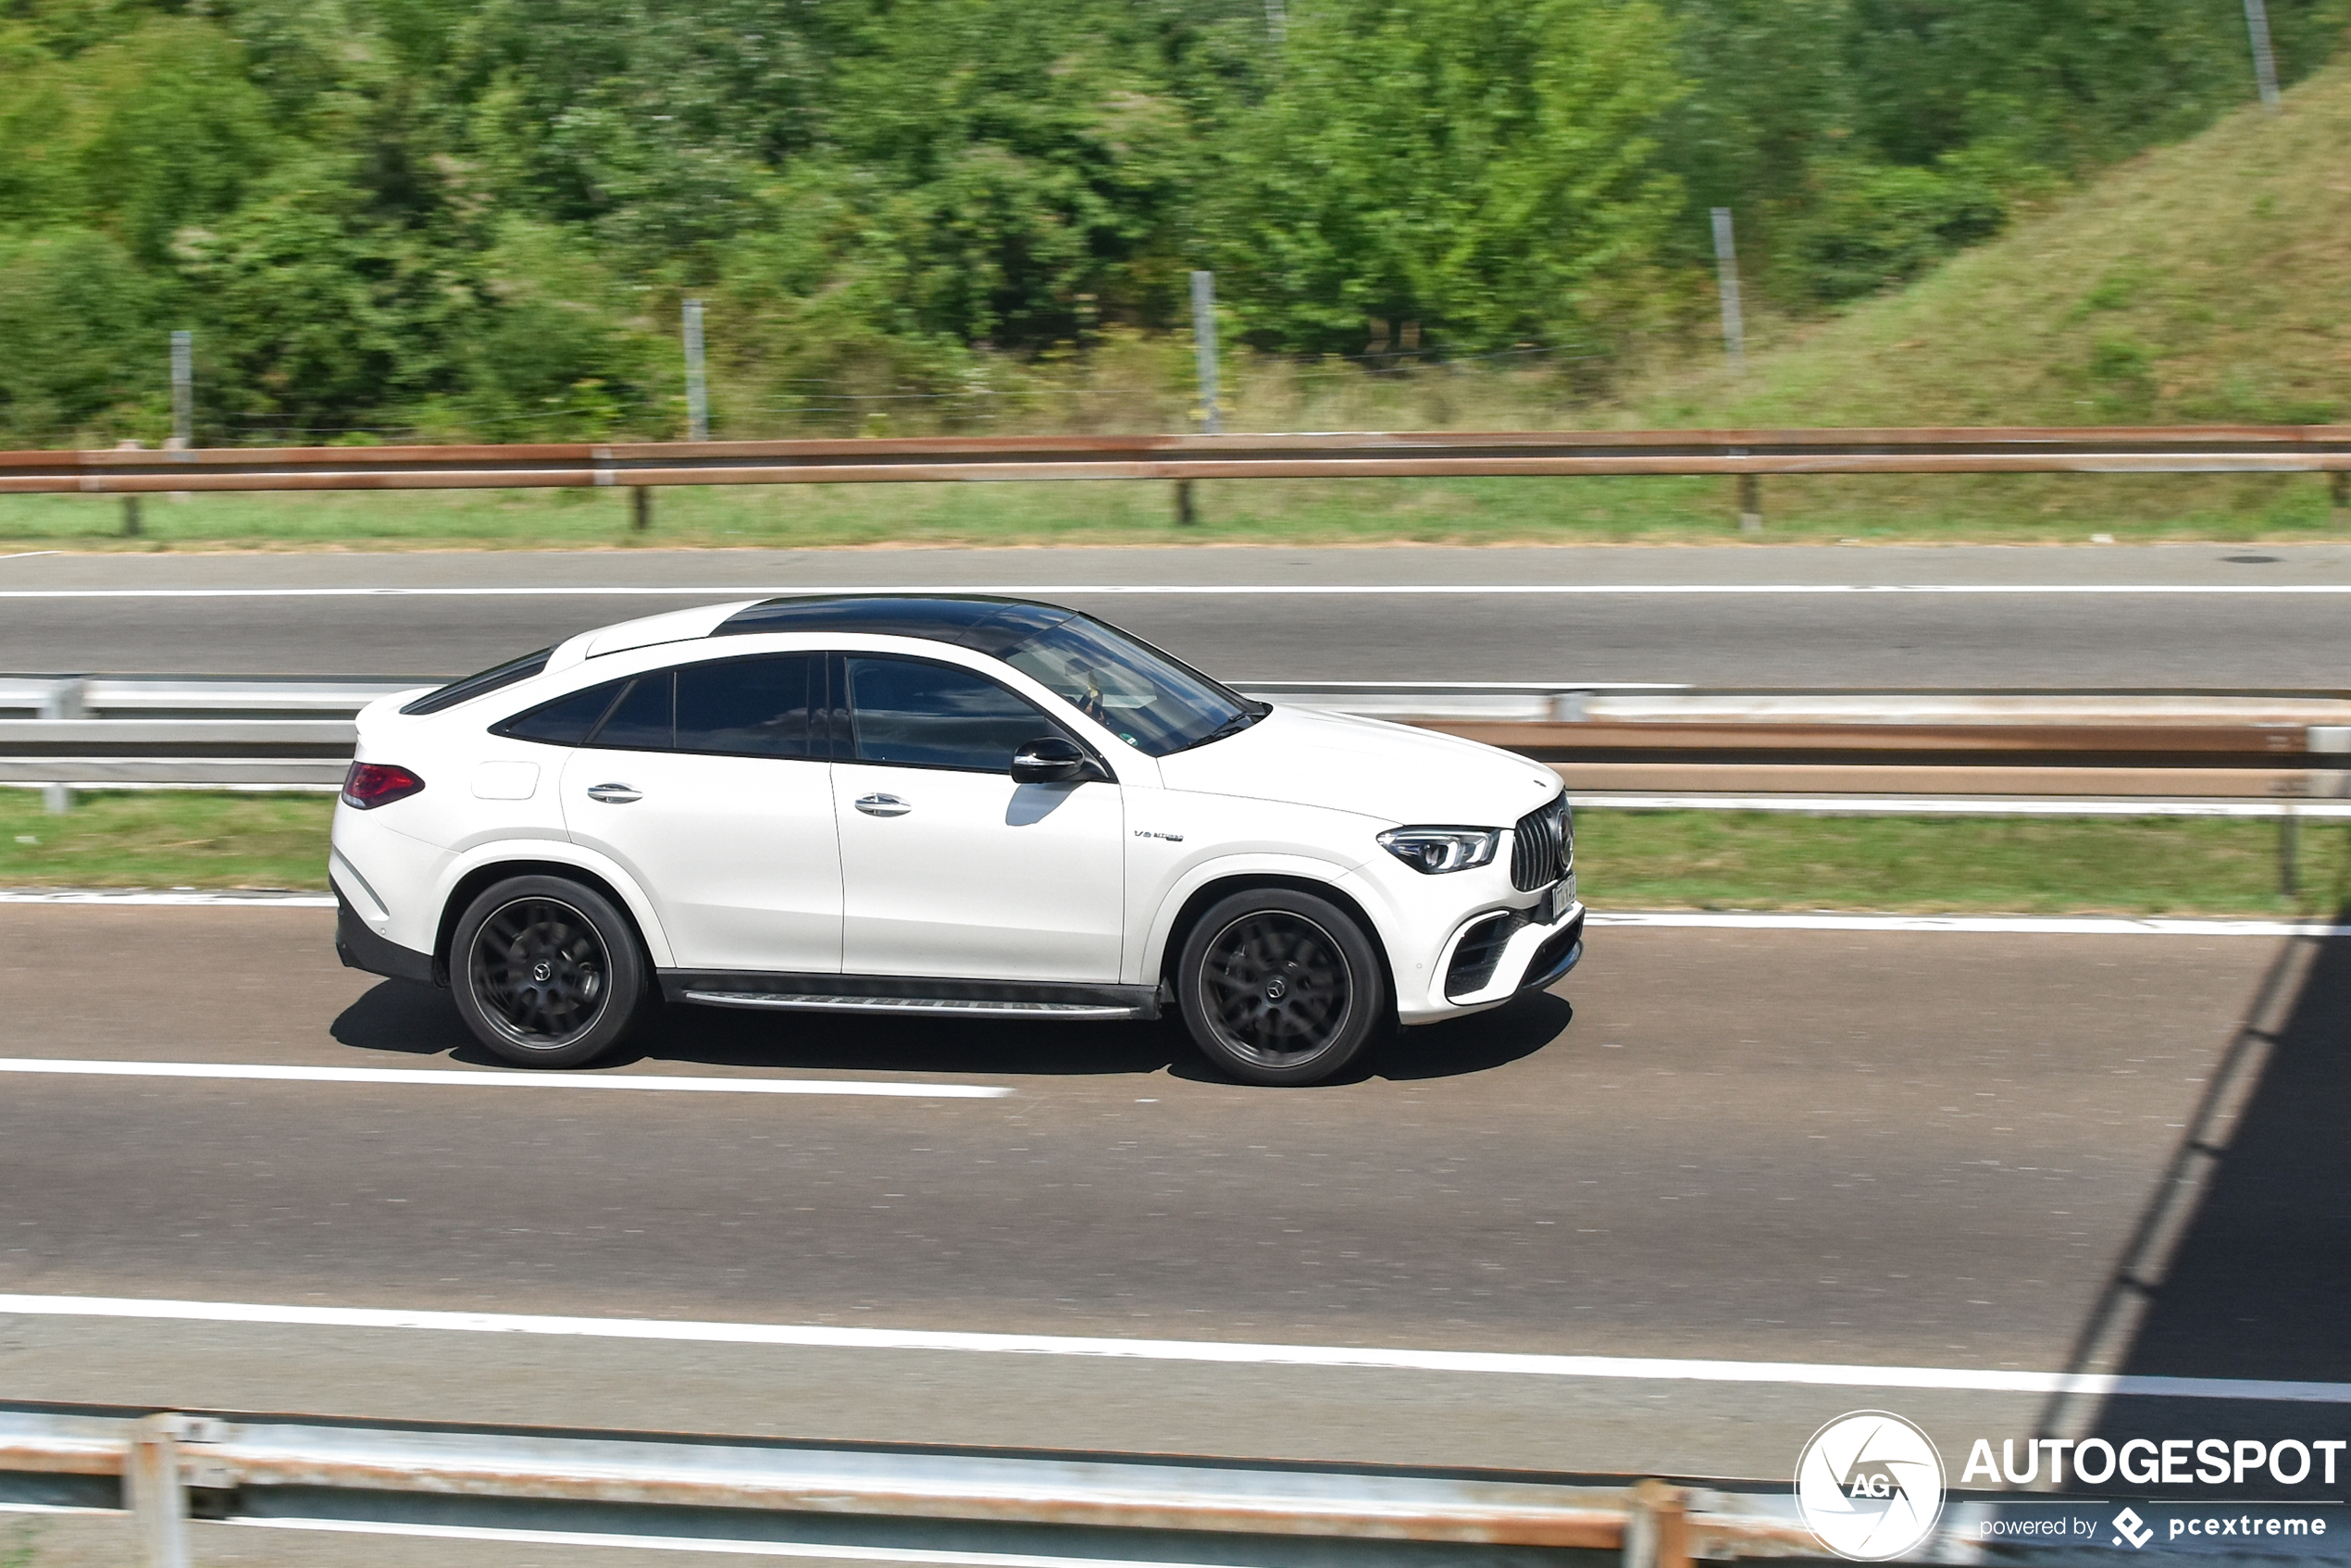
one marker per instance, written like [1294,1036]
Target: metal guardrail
[1395,454]
[2254,748]
[871,1499]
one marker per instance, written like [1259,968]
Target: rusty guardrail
[871,1499]
[1373,454]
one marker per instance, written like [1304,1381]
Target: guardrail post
[2339,487]
[1656,1530]
[2265,62]
[640,507]
[63,699]
[183,396]
[1726,284]
[697,388]
[2289,849]
[1204,368]
[1750,504]
[155,1493]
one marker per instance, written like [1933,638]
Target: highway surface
[1726,1166]
[2002,1153]
[2172,616]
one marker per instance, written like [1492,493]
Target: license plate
[1546,908]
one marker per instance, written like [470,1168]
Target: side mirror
[1051,759]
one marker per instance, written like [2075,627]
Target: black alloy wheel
[546,971]
[1280,987]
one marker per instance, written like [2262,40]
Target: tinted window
[1131,688]
[474,686]
[566,721]
[934,716]
[642,721]
[748,707]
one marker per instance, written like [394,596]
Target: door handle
[883,806]
[614,794]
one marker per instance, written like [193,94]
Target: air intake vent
[1541,852]
[1478,951]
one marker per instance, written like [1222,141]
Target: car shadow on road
[2240,1265]
[1480,1044]
[416,1020]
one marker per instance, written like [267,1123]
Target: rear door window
[923,714]
[645,717]
[566,721]
[750,707]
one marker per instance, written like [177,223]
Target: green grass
[2023,509]
[165,839]
[20,1543]
[2025,865]
[1627,860]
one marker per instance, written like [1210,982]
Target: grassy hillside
[2206,282]
[2209,282]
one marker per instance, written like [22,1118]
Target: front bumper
[1490,955]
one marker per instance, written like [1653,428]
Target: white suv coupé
[960,806]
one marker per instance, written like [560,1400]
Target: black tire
[1280,987]
[547,972]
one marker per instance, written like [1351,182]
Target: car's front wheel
[547,972]
[1280,987]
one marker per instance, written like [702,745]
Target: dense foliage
[479,216]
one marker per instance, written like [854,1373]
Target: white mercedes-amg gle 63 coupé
[954,806]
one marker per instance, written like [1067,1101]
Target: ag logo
[1869,1484]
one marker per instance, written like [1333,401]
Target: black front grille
[1479,950]
[1542,849]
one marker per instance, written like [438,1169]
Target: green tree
[82,338]
[1482,167]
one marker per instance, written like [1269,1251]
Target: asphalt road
[2182,617]
[2005,1151]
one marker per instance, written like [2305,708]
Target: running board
[929,1006]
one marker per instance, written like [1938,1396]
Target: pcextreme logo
[1869,1484]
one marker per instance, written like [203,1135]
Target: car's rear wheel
[1280,987]
[547,972]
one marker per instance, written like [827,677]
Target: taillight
[372,784]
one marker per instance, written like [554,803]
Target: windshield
[1131,688]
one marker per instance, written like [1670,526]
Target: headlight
[1433,850]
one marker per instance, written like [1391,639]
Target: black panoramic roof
[988,625]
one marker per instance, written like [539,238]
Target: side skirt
[905,994]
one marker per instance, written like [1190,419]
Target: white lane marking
[827,1337]
[726,1548]
[444,1078]
[737,590]
[27,554]
[2038,925]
